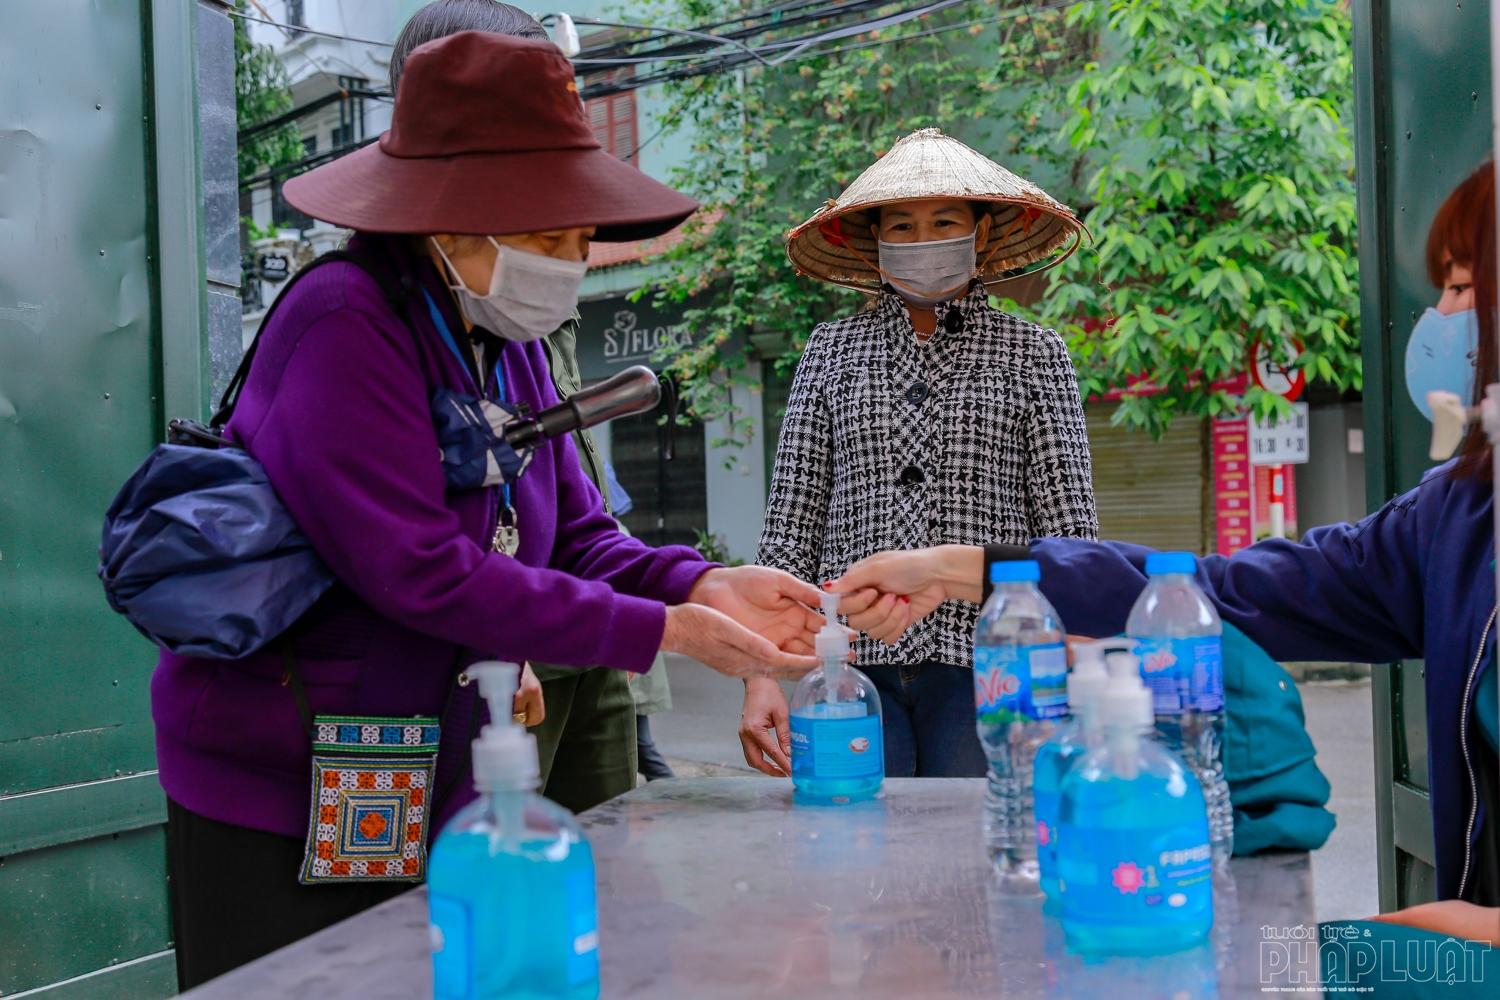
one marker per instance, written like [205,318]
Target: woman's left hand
[766,601]
[528,701]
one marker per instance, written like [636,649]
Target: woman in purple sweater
[488,138]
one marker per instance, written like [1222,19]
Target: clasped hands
[883,596]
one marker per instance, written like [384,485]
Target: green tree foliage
[1220,178]
[261,92]
[1205,140]
[770,145]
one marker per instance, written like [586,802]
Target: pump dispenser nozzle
[505,753]
[1126,702]
[832,640]
[1088,678]
[832,645]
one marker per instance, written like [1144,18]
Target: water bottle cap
[1158,563]
[1016,571]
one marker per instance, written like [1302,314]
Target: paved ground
[1338,718]
[698,738]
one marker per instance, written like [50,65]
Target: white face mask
[925,274]
[530,295]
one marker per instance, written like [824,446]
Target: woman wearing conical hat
[929,419]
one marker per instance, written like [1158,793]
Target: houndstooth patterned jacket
[976,436]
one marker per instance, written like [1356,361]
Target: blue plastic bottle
[1179,641]
[838,752]
[1020,696]
[1083,732]
[1135,868]
[511,879]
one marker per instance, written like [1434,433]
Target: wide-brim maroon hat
[488,138]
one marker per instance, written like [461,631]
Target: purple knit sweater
[336,409]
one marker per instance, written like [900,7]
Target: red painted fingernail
[906,599]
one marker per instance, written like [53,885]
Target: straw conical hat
[1027,224]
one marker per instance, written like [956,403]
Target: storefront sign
[617,333]
[1232,511]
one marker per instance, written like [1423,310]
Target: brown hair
[1464,233]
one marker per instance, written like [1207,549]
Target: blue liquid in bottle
[1135,869]
[1083,732]
[511,880]
[838,751]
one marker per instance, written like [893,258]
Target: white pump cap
[505,753]
[1126,702]
[1087,680]
[832,640]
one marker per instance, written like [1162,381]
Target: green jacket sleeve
[561,348]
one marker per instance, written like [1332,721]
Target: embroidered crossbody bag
[372,781]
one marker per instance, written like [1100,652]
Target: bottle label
[1018,683]
[583,926]
[837,748]
[1184,675]
[1136,876]
[451,937]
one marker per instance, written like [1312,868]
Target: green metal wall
[1422,124]
[99,215]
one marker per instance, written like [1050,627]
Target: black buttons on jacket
[954,321]
[916,392]
[911,476]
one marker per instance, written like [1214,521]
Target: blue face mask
[1440,355]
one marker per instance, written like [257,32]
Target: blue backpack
[198,551]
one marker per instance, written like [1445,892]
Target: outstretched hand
[766,601]
[718,641]
[887,593]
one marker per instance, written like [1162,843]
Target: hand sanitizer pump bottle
[1086,683]
[838,753]
[511,879]
[1134,865]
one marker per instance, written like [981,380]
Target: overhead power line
[297,29]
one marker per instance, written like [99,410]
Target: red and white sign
[1242,491]
[1275,374]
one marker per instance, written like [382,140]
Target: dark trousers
[928,720]
[586,743]
[235,895]
[652,764]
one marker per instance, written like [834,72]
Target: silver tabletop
[721,888]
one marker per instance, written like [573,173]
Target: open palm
[766,601]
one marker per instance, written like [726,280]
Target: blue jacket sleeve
[1346,592]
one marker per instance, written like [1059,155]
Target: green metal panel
[75,909]
[83,876]
[1422,124]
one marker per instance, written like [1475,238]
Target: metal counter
[720,888]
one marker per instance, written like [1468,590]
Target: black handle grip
[634,390]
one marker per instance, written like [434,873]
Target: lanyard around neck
[442,326]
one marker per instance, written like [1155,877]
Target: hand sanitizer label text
[837,748]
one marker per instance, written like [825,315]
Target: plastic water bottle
[511,879]
[1178,635]
[1135,869]
[838,754]
[1084,731]
[1020,694]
